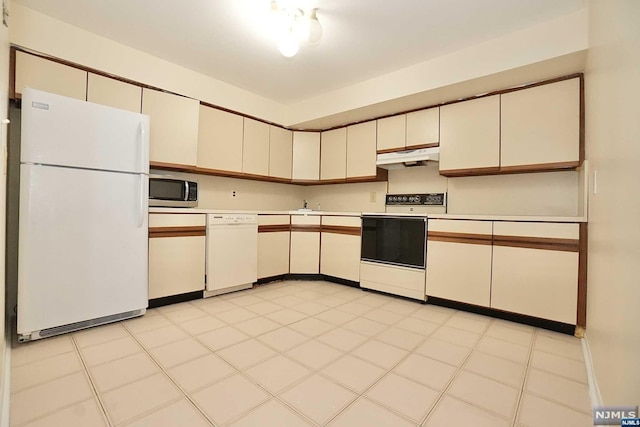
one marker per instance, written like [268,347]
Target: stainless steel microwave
[173,192]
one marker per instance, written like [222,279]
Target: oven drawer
[408,282]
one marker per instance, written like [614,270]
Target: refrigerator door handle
[141,209]
[143,160]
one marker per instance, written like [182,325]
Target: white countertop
[524,218]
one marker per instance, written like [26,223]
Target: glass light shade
[314,31]
[288,45]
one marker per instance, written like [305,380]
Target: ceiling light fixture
[292,26]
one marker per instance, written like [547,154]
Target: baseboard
[340,281]
[278,278]
[174,299]
[537,322]
[299,276]
[594,390]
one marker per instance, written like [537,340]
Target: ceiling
[227,39]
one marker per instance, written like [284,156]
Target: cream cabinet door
[255,148]
[536,282]
[306,156]
[176,262]
[459,261]
[470,135]
[114,93]
[273,254]
[219,140]
[361,150]
[392,133]
[530,276]
[273,245]
[174,127]
[339,250]
[42,74]
[305,245]
[541,125]
[423,127]
[333,154]
[280,152]
[176,265]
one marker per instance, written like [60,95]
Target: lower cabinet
[340,247]
[176,254]
[305,244]
[273,245]
[535,270]
[459,261]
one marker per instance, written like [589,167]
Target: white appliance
[232,253]
[408,158]
[83,251]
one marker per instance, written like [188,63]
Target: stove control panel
[425,199]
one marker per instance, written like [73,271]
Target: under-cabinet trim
[467,238]
[341,229]
[274,228]
[183,231]
[546,243]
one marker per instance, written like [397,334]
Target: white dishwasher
[232,253]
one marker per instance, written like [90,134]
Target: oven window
[398,241]
[166,189]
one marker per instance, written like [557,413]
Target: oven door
[394,240]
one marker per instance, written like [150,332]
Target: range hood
[408,158]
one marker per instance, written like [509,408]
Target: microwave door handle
[186,191]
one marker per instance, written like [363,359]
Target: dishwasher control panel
[230,219]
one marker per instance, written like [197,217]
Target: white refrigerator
[83,251]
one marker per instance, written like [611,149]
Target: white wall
[217,193]
[613,147]
[562,36]
[41,33]
[546,194]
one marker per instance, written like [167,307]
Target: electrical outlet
[234,193]
[372,197]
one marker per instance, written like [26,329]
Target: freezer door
[57,130]
[83,250]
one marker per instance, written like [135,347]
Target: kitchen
[551,194]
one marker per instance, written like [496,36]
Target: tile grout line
[94,388]
[166,374]
[445,390]
[523,385]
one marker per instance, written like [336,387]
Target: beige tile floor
[299,354]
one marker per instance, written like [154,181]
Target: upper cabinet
[219,140]
[255,148]
[470,137]
[541,126]
[114,93]
[280,152]
[43,74]
[392,133]
[306,156]
[174,127]
[361,150]
[423,128]
[419,129]
[333,155]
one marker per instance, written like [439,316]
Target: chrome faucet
[304,205]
